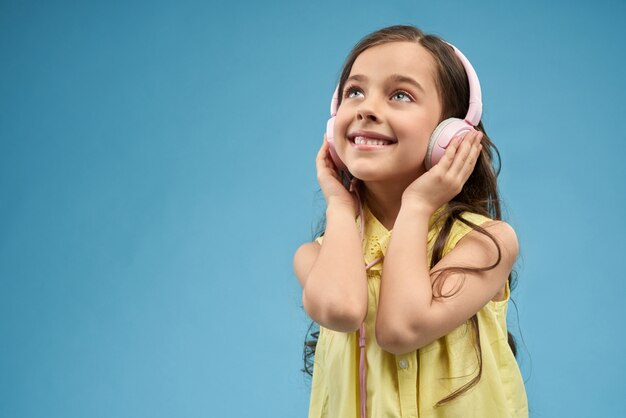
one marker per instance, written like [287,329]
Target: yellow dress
[409,385]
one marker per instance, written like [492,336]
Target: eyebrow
[398,78]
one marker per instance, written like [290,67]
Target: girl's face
[391,94]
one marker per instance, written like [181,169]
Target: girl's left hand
[445,179]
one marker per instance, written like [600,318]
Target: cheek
[341,126]
[414,132]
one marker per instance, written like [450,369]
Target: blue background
[157,174]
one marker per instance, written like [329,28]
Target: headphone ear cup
[330,137]
[441,137]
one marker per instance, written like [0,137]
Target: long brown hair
[479,193]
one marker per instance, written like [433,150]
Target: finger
[324,162]
[472,156]
[449,155]
[323,149]
[460,155]
[321,156]
[463,153]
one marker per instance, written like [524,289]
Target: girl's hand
[330,182]
[445,179]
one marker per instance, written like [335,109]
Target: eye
[404,96]
[350,90]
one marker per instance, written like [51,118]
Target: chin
[368,174]
[371,175]
[365,172]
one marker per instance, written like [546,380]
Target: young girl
[412,323]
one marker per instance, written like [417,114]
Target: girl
[412,323]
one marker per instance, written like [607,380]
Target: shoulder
[501,232]
[304,258]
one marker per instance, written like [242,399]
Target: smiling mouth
[362,141]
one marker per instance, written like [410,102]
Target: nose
[366,111]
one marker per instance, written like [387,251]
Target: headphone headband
[475,110]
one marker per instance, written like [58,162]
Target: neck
[384,200]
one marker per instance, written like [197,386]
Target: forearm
[335,294]
[406,290]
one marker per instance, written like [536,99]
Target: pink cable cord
[362,381]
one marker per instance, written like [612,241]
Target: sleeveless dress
[409,385]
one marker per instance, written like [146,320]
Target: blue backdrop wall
[157,174]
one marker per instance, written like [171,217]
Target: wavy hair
[479,193]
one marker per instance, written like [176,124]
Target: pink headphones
[443,133]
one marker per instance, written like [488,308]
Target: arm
[408,315]
[333,278]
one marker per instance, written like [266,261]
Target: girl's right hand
[330,181]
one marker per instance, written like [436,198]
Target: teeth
[361,140]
